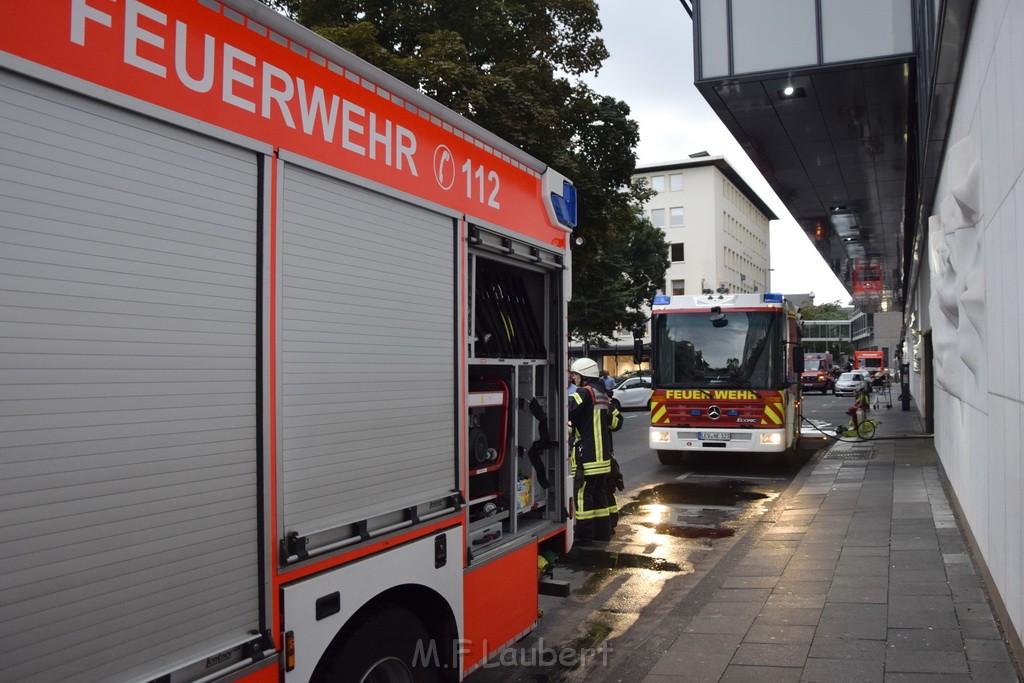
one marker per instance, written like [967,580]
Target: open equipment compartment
[516,391]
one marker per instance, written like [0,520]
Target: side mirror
[798,359]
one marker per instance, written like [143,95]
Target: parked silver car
[850,384]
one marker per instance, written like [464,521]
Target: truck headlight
[659,436]
[773,439]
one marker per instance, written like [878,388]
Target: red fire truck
[724,370]
[284,357]
[867,281]
[871,362]
[817,372]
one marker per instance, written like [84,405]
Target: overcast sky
[651,70]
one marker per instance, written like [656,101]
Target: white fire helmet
[585,367]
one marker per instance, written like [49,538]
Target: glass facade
[865,29]
[714,38]
[773,34]
[751,36]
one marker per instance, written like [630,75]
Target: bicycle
[863,429]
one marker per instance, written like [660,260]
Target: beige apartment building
[716,235]
[716,226]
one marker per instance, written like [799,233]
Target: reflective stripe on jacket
[591,414]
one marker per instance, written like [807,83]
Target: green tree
[514,67]
[830,311]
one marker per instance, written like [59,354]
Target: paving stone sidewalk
[864,577]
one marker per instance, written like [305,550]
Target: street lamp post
[838,356]
[638,345]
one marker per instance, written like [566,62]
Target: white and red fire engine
[283,357]
[724,370]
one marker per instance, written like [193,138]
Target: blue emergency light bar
[661,299]
[772,298]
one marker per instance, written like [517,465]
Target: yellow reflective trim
[659,413]
[772,414]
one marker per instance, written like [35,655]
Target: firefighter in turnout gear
[593,418]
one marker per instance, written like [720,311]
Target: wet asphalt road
[679,528]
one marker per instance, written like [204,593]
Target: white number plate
[714,436]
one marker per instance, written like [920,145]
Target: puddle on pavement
[728,493]
[690,510]
[596,558]
[693,531]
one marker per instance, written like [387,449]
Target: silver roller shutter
[368,353]
[128,493]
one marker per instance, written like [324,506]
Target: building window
[675,217]
[658,218]
[658,183]
[678,286]
[675,182]
[678,252]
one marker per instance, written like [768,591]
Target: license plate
[714,436]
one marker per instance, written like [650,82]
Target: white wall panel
[979,426]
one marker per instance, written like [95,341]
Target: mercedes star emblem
[714,412]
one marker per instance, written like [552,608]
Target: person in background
[861,405]
[609,382]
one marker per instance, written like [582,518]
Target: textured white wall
[976,285]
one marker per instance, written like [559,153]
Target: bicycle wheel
[866,429]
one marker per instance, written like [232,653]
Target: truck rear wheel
[389,646]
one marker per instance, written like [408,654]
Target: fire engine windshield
[734,350]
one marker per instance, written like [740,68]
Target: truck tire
[670,458]
[390,646]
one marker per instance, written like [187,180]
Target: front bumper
[743,440]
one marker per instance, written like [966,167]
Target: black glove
[616,476]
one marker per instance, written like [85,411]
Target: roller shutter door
[368,353]
[128,410]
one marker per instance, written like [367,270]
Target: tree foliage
[513,67]
[830,311]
